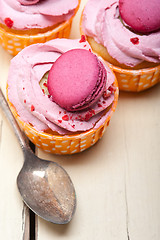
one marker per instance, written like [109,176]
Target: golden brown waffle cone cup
[67,144]
[14,43]
[133,80]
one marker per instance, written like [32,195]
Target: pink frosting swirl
[102,22]
[27,14]
[35,107]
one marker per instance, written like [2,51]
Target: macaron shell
[141,15]
[74,78]
[28,2]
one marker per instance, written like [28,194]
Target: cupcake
[61,94]
[25,22]
[126,34]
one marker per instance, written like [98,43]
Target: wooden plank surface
[117,181]
[14,216]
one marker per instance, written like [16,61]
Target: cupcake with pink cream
[66,97]
[24,22]
[126,34]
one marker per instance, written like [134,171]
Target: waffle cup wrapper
[67,144]
[14,43]
[136,80]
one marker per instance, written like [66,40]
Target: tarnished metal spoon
[45,187]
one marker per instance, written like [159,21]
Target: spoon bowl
[47,189]
[45,186]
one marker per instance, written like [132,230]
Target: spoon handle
[21,137]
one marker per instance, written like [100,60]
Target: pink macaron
[142,16]
[76,80]
[28,2]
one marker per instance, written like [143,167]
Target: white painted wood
[141,124]
[117,181]
[13,215]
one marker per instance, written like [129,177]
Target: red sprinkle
[73,126]
[83,39]
[90,50]
[24,101]
[85,45]
[135,40]
[23,88]
[106,94]
[8,22]
[65,117]
[112,88]
[89,114]
[43,91]
[59,112]
[59,121]
[32,108]
[45,84]
[99,105]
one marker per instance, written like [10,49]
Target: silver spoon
[45,187]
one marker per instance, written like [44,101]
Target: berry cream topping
[103,22]
[32,102]
[27,14]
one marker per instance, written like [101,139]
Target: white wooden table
[117,181]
